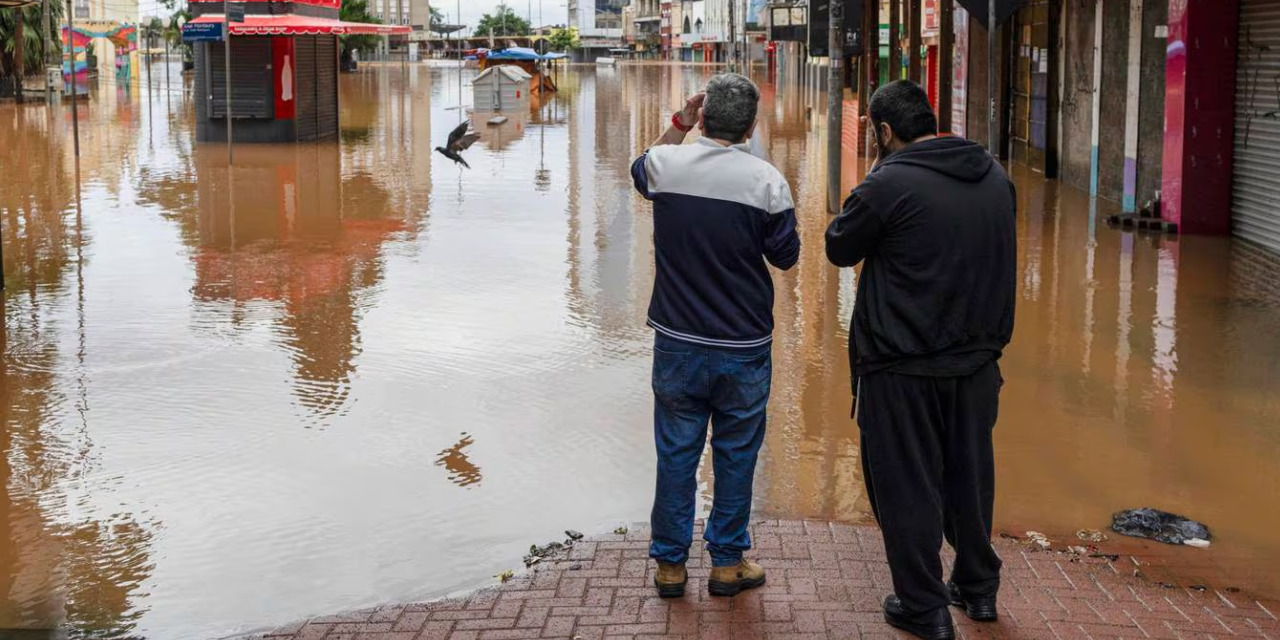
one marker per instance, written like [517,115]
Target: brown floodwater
[349,373]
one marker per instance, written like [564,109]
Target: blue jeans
[691,385]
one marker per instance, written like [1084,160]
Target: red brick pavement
[825,581]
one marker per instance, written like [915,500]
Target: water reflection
[61,563]
[462,471]
[283,348]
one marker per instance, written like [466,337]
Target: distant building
[599,24]
[415,14]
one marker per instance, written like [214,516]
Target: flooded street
[352,373]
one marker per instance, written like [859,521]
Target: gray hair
[730,109]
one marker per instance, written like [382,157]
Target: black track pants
[928,464]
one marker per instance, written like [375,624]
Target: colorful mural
[123,37]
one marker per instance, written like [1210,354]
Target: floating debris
[1198,587]
[1039,540]
[497,120]
[1197,543]
[1160,526]
[621,531]
[1009,536]
[1091,535]
[1077,551]
[537,554]
[573,535]
[1109,557]
[506,576]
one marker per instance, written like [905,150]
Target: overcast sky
[552,11]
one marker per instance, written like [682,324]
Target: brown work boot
[670,580]
[729,581]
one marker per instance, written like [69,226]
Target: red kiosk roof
[296,25]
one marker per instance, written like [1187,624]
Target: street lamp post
[226,49]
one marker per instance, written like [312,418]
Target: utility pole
[733,39]
[835,103]
[895,40]
[71,54]
[946,58]
[915,40]
[44,50]
[226,50]
[993,136]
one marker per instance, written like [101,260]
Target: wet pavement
[352,373]
[824,581]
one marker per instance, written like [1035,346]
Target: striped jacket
[718,214]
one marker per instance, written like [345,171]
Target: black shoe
[934,625]
[978,608]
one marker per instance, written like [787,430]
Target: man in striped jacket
[720,216]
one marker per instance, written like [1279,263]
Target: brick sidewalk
[825,581]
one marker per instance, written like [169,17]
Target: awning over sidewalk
[296,25]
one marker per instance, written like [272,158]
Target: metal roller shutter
[1256,189]
[304,49]
[251,88]
[327,87]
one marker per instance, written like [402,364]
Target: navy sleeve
[855,233]
[640,176]
[781,240]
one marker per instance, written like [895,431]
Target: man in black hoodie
[935,223]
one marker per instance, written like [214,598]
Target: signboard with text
[202,32]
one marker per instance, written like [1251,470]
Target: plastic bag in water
[1160,526]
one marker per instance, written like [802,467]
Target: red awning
[295,25]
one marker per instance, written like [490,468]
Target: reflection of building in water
[58,569]
[285,226]
[462,471]
[384,114]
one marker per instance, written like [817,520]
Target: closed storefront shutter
[327,87]
[305,50]
[1256,189]
[251,81]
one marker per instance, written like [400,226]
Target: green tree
[358,11]
[563,39]
[20,37]
[437,17]
[503,22]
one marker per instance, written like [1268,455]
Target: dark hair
[730,108]
[905,107]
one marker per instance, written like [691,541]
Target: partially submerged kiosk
[284,68]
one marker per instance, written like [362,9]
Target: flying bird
[460,139]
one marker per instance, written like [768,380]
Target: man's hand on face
[875,141]
[692,111]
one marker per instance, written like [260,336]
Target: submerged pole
[71,49]
[226,50]
[835,104]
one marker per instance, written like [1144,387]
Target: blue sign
[202,32]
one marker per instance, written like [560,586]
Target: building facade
[599,24]
[1163,107]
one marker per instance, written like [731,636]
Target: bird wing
[468,140]
[456,135]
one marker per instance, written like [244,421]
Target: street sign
[202,32]
[235,12]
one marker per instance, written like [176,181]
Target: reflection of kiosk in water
[284,69]
[500,130]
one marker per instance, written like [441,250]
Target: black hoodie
[936,224]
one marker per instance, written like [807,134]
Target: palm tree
[21,51]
